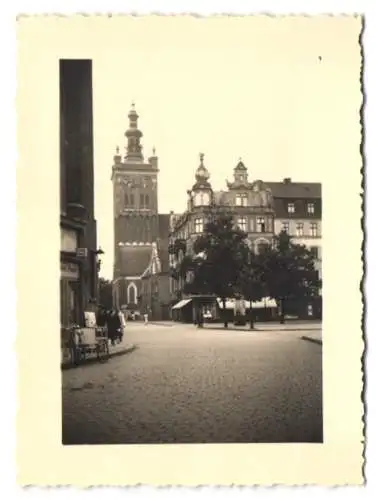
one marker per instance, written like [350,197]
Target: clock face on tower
[201,198]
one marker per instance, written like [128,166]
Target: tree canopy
[105,293]
[224,265]
[289,271]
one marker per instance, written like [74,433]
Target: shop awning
[265,303]
[181,304]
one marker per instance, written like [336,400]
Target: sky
[270,92]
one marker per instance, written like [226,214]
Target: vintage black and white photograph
[191,239]
[190,205]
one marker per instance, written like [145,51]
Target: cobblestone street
[184,385]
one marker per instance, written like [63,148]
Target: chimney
[287,180]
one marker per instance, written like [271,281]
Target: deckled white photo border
[339,462]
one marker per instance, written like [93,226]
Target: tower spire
[133,135]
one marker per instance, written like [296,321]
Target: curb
[126,350]
[168,325]
[304,329]
[311,339]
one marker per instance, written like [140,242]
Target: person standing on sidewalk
[113,326]
[146,316]
[122,324]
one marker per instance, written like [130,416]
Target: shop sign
[68,241]
[69,270]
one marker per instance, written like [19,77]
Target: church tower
[135,194]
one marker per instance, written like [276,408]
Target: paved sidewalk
[114,350]
[313,336]
[267,327]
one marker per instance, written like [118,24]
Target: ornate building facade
[138,226]
[250,203]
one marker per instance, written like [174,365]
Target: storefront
[69,293]
[70,288]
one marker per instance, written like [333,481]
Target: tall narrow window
[147,201]
[126,200]
[242,223]
[313,229]
[260,224]
[291,208]
[142,200]
[199,225]
[299,229]
[241,200]
[131,200]
[311,208]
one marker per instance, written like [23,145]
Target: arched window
[132,294]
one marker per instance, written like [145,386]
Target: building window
[311,208]
[260,224]
[291,208]
[131,200]
[132,294]
[199,225]
[147,201]
[299,229]
[285,227]
[241,178]
[202,198]
[142,201]
[241,200]
[242,224]
[126,200]
[315,252]
[313,229]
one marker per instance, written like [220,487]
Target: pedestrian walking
[146,317]
[114,326]
[122,324]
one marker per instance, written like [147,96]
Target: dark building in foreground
[78,252]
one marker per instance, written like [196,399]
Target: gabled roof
[290,189]
[240,166]
[134,259]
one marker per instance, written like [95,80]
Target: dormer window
[311,208]
[291,208]
[241,200]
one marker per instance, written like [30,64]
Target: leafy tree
[221,252]
[105,293]
[289,272]
[252,281]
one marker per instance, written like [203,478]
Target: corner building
[250,203]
